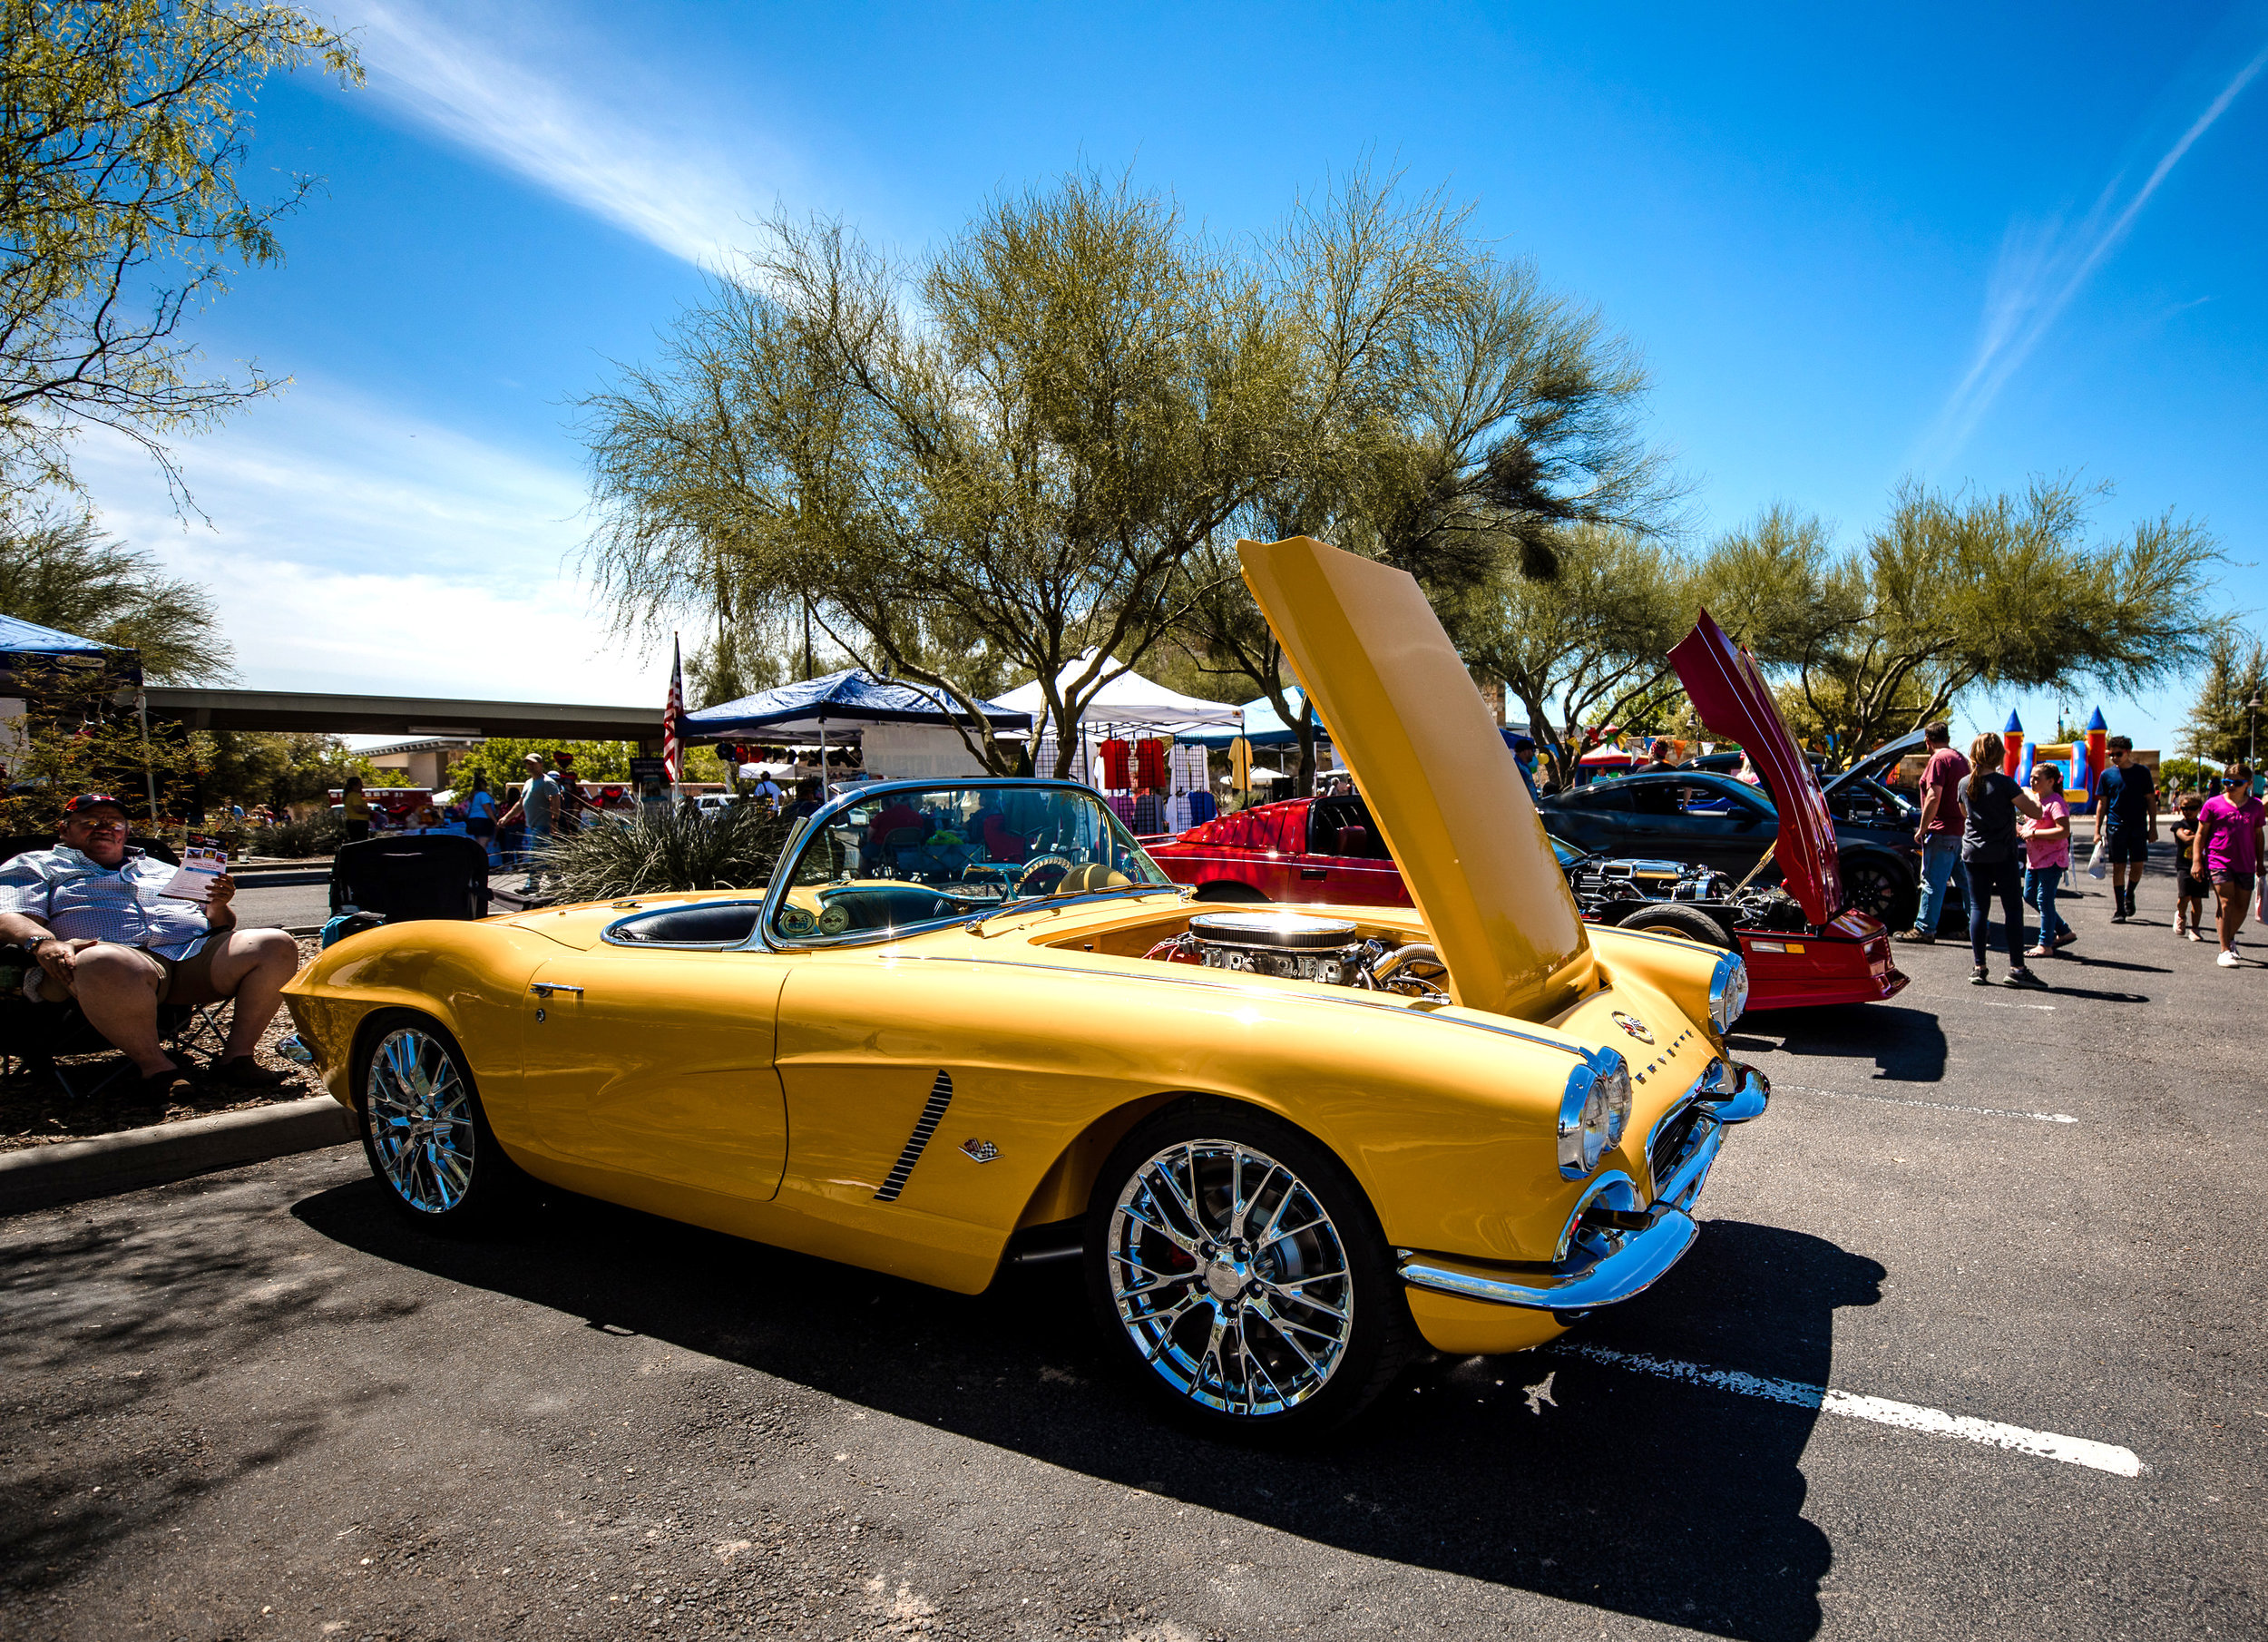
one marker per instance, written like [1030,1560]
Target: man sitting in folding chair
[91,913]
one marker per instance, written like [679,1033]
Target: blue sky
[1965,243]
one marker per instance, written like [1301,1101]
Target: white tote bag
[2096,866]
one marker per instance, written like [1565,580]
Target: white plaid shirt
[80,900]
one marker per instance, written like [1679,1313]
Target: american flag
[672,714]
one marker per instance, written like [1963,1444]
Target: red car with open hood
[1804,942]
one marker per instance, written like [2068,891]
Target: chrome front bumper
[1619,1263]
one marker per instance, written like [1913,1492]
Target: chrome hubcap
[421,1120]
[1229,1277]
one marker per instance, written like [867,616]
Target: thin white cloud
[645,169]
[355,549]
[2041,269]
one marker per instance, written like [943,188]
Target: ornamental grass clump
[678,849]
[320,833]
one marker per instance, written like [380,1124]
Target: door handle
[1314,872]
[544,989]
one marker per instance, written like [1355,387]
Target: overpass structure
[400,716]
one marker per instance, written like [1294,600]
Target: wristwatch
[36,942]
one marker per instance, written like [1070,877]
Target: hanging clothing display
[1113,756]
[1149,763]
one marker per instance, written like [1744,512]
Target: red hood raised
[1733,701]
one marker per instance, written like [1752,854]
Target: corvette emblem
[982,1151]
[1634,1026]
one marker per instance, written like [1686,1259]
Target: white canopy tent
[1130,703]
[1129,706]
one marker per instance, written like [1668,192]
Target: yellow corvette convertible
[971,1022]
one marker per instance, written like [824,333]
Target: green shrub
[320,833]
[656,851]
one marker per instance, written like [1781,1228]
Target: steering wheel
[1038,864]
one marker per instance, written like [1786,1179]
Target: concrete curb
[40,1176]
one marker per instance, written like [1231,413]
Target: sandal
[173,1083]
[244,1072]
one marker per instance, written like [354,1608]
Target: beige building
[425,761]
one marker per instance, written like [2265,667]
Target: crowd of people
[2012,845]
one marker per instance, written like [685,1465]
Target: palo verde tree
[1588,645]
[1458,421]
[1955,591]
[2221,723]
[123,125]
[60,569]
[992,465]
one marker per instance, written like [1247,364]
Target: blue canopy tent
[26,645]
[843,701]
[33,657]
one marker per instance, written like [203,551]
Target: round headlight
[1728,991]
[1593,1112]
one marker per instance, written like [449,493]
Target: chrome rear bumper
[1632,1260]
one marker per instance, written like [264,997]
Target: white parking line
[1997,1003]
[1882,1410]
[1935,1105]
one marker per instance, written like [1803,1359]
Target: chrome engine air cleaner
[1296,946]
[1301,946]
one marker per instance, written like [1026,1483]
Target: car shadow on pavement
[1623,1490]
[79,1304]
[1905,1044]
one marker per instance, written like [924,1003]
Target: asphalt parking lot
[2010,1234]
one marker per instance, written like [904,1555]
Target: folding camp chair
[424,875]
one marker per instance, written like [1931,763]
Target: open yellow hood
[1443,789]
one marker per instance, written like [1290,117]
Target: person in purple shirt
[2228,850]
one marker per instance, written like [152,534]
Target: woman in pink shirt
[2228,846]
[2047,856]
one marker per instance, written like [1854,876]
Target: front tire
[1688,921]
[424,1131]
[1241,1274]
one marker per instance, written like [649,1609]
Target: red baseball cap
[87,801]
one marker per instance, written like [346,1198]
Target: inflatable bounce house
[2082,762]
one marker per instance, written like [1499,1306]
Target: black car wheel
[1229,890]
[1241,1273]
[1688,921]
[1878,885]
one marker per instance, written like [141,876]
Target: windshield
[913,857]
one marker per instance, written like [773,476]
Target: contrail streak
[2020,318]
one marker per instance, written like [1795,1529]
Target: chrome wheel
[419,1115]
[1229,1277]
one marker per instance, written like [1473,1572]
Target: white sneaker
[2227,960]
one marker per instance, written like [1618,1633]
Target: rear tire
[424,1131]
[1877,886]
[1241,1326]
[1688,921]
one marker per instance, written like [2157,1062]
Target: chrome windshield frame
[808,828]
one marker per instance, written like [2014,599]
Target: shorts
[2241,884]
[39,986]
[2194,889]
[2129,846]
